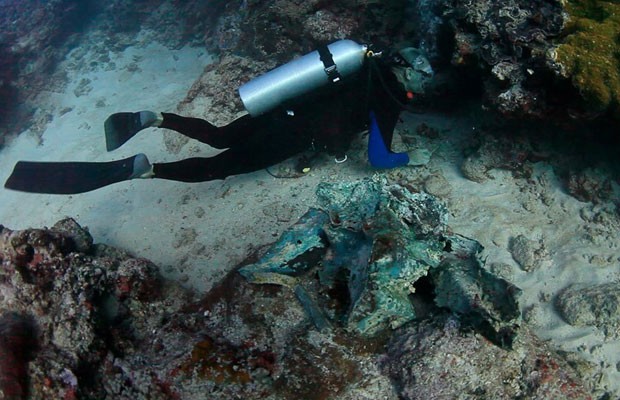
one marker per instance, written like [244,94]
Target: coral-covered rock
[500,46]
[507,42]
[277,31]
[81,240]
[590,184]
[529,254]
[435,360]
[531,58]
[72,298]
[595,305]
[18,346]
[105,325]
[587,54]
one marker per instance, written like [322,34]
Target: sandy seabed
[198,232]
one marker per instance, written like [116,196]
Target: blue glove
[379,155]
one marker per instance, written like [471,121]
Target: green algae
[590,53]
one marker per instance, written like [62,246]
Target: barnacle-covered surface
[79,296]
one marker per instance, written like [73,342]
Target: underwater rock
[601,225]
[18,346]
[529,254]
[596,305]
[590,185]
[437,185]
[80,236]
[535,59]
[436,360]
[320,352]
[493,151]
[230,72]
[86,307]
[506,43]
[106,325]
[511,50]
[377,242]
[268,32]
[325,26]
[587,54]
[475,169]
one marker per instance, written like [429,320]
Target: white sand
[198,232]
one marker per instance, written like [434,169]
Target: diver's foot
[121,127]
[150,118]
[142,168]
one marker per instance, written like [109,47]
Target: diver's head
[412,69]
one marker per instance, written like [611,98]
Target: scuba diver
[318,102]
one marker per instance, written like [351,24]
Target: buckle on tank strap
[330,67]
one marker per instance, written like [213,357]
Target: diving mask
[412,69]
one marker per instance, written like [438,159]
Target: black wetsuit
[324,121]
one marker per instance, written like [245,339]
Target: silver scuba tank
[324,66]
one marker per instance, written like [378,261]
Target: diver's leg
[120,127]
[253,156]
[76,177]
[191,170]
[205,132]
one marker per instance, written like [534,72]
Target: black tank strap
[331,69]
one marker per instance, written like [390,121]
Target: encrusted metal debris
[378,241]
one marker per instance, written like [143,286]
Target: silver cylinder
[299,77]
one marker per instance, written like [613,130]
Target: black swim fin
[75,177]
[121,127]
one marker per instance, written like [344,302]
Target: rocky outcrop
[35,36]
[435,360]
[84,320]
[85,306]
[596,305]
[535,59]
